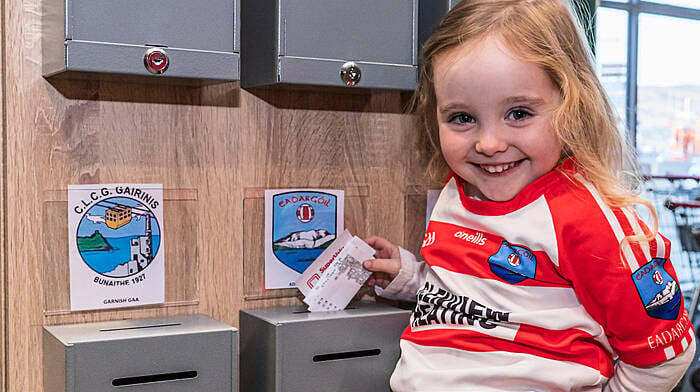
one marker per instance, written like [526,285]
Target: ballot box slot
[298,311]
[347,355]
[140,327]
[151,378]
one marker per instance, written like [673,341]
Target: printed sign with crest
[299,225]
[116,249]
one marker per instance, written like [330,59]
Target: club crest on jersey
[513,263]
[658,290]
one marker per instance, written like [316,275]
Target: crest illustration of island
[300,248]
[118,237]
[665,303]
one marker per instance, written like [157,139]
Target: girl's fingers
[384,248]
[390,266]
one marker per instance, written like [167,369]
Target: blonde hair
[545,33]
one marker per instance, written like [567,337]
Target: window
[668,94]
[647,62]
[681,3]
[611,58]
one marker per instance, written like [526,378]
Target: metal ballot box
[358,43]
[153,39]
[292,350]
[173,354]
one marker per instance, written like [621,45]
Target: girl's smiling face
[495,115]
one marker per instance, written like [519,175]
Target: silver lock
[350,73]
[156,61]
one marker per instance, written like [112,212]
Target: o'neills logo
[429,239]
[477,238]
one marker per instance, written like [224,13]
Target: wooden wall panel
[207,145]
[3,234]
[23,279]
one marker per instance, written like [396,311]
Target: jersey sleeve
[631,290]
[661,377]
[410,278]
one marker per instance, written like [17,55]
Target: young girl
[538,273]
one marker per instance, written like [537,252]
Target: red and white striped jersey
[536,293]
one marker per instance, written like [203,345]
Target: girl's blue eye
[461,118]
[518,115]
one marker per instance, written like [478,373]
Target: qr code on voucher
[353,270]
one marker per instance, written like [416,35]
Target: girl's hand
[387,263]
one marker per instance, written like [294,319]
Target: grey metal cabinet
[289,350]
[310,42]
[175,38]
[163,354]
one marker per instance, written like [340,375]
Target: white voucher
[313,273]
[342,279]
